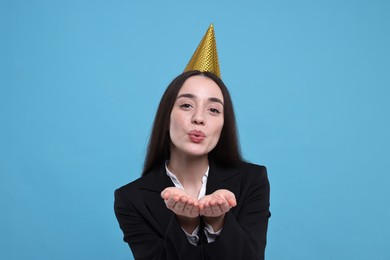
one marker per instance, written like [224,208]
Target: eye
[186,106]
[215,111]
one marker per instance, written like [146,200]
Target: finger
[232,202]
[201,208]
[165,194]
[216,210]
[175,197]
[224,206]
[184,199]
[195,211]
[213,202]
[196,204]
[207,209]
[231,199]
[188,204]
[179,207]
[190,210]
[170,203]
[187,208]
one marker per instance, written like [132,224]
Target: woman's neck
[189,170]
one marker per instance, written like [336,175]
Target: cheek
[172,132]
[218,129]
[174,123]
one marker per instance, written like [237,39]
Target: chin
[198,152]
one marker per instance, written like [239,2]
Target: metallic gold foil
[205,57]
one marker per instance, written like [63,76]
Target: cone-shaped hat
[205,57]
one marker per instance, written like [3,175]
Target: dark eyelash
[215,110]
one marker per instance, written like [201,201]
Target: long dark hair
[226,152]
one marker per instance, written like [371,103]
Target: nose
[198,118]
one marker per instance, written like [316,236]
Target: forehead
[201,86]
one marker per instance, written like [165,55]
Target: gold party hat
[205,57]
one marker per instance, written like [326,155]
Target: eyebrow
[192,96]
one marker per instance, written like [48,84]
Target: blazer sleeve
[244,232]
[145,242]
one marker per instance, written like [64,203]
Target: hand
[180,202]
[217,203]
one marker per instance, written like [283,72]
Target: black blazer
[152,231]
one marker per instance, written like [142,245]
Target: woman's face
[197,117]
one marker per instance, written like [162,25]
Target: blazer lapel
[223,178]
[151,187]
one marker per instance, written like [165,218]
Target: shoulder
[135,184]
[128,190]
[253,174]
[138,183]
[242,168]
[155,181]
[251,166]
[242,174]
[252,169]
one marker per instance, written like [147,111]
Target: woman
[197,198]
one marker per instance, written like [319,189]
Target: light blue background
[79,86]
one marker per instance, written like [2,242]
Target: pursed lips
[196,136]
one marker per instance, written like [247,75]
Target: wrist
[189,224]
[215,222]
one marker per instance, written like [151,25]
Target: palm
[180,202]
[217,203]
